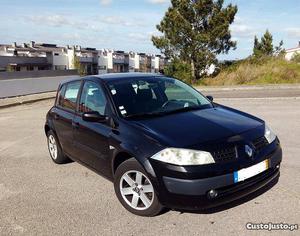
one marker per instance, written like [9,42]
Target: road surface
[38,197]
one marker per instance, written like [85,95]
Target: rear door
[91,138]
[64,113]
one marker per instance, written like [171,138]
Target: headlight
[183,157]
[269,134]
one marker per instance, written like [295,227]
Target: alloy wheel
[52,146]
[136,190]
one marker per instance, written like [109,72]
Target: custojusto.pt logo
[271,226]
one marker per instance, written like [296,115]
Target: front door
[91,138]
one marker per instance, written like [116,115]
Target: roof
[293,49]
[116,76]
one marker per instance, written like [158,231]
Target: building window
[30,68]
[101,67]
[60,67]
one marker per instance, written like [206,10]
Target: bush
[296,57]
[179,70]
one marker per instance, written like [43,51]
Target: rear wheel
[135,190]
[55,150]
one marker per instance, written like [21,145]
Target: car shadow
[234,203]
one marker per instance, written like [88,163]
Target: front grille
[224,154]
[260,143]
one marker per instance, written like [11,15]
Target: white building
[291,52]
[44,56]
[154,64]
[105,61]
[134,62]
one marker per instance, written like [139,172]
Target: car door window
[60,95]
[92,98]
[69,99]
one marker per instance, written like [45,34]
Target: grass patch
[253,72]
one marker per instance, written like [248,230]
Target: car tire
[135,191]
[55,150]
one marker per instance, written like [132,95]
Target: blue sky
[128,24]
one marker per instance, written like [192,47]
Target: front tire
[55,150]
[135,191]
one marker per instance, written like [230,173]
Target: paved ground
[38,197]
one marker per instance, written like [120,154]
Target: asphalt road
[38,197]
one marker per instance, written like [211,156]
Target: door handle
[56,117]
[75,125]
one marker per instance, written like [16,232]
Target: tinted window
[70,95]
[142,96]
[92,98]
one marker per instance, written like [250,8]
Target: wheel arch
[118,159]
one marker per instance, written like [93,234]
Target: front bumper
[180,188]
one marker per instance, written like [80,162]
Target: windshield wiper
[145,115]
[162,113]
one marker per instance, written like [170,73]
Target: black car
[161,142]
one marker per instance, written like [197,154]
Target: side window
[92,98]
[70,95]
[60,95]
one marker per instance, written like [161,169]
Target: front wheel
[135,190]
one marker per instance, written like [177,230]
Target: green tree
[256,48]
[195,32]
[179,70]
[78,66]
[265,47]
[10,68]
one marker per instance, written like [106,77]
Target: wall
[6,60]
[60,60]
[36,74]
[19,87]
[289,54]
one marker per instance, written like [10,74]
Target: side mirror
[93,116]
[210,98]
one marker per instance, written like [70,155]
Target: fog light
[212,193]
[278,166]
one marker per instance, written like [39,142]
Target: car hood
[193,127]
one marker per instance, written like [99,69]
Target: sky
[128,24]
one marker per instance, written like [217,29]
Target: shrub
[296,57]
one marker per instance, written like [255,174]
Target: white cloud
[293,32]
[62,21]
[141,36]
[116,20]
[242,30]
[158,1]
[105,2]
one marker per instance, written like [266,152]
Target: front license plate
[251,171]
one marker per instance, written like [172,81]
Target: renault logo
[249,150]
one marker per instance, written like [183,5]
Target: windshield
[154,96]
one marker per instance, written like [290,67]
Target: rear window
[67,95]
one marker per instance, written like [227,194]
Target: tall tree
[265,47]
[256,47]
[196,31]
[267,44]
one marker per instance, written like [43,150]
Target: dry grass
[249,72]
